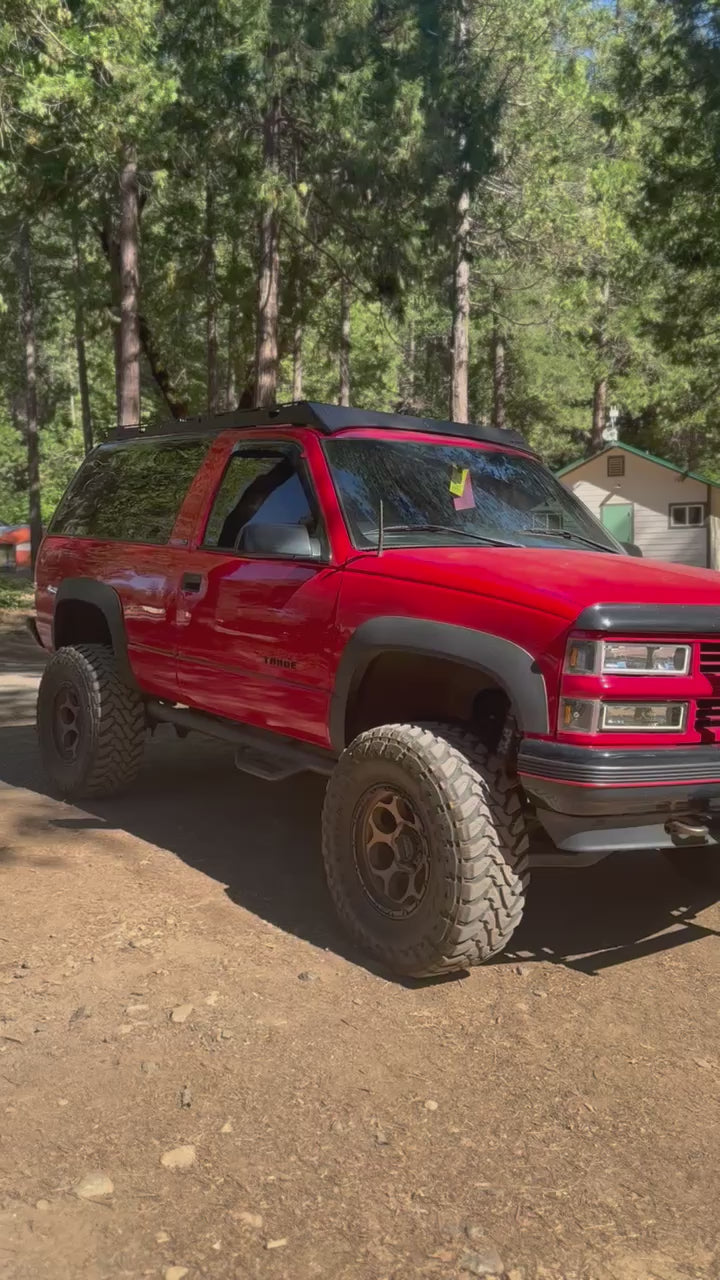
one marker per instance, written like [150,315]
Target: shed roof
[639,453]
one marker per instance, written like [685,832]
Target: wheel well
[401,687]
[79,622]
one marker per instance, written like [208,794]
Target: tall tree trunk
[344,343]
[211,293]
[599,409]
[232,372]
[461,313]
[266,351]
[129,406]
[80,339]
[297,384]
[295,270]
[600,387]
[112,252]
[177,406]
[174,400]
[410,370]
[231,378]
[499,371]
[27,331]
[461,280]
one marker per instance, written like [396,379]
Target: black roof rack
[327,418]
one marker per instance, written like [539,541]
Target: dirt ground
[171,976]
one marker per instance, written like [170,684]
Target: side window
[684,516]
[259,487]
[130,492]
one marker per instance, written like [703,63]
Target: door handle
[191,582]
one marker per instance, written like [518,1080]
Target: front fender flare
[511,666]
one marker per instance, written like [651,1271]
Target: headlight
[641,717]
[645,659]
[583,715]
[621,658]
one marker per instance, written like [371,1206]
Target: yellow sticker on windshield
[458,480]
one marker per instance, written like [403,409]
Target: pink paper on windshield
[466,499]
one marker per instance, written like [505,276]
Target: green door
[617,518]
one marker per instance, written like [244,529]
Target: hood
[551,579]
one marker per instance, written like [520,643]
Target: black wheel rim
[67,722]
[392,853]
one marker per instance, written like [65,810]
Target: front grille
[707,717]
[710,658]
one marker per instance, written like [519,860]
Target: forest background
[504,211]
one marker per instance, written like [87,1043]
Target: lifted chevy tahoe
[415,608]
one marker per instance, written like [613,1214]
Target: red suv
[415,608]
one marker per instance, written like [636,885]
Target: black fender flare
[510,666]
[107,600]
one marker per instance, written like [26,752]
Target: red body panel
[146,579]
[548,580]
[377,586]
[541,632]
[253,645]
[262,639]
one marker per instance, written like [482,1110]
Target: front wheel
[425,848]
[91,725]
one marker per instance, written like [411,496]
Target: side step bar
[264,755]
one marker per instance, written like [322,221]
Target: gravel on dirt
[179,1157]
[93,1186]
[575,1134]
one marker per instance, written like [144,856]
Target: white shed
[669,513]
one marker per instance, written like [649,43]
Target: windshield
[449,494]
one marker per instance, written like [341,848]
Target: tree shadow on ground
[262,841]
[21,662]
[17,703]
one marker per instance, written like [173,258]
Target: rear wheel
[701,865]
[425,848]
[91,725]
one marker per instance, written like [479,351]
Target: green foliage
[587,140]
[16,591]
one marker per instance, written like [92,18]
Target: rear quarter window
[129,492]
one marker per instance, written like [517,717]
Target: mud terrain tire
[91,725]
[425,806]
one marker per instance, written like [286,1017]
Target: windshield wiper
[448,528]
[568,535]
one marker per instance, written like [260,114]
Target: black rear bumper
[595,799]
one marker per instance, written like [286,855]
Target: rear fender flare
[508,664]
[107,600]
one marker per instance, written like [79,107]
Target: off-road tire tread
[118,716]
[487,840]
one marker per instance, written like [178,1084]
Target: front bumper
[594,800]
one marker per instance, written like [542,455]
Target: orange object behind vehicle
[15,546]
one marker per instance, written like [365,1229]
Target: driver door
[252,627]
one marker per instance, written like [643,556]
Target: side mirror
[631,549]
[291,540]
